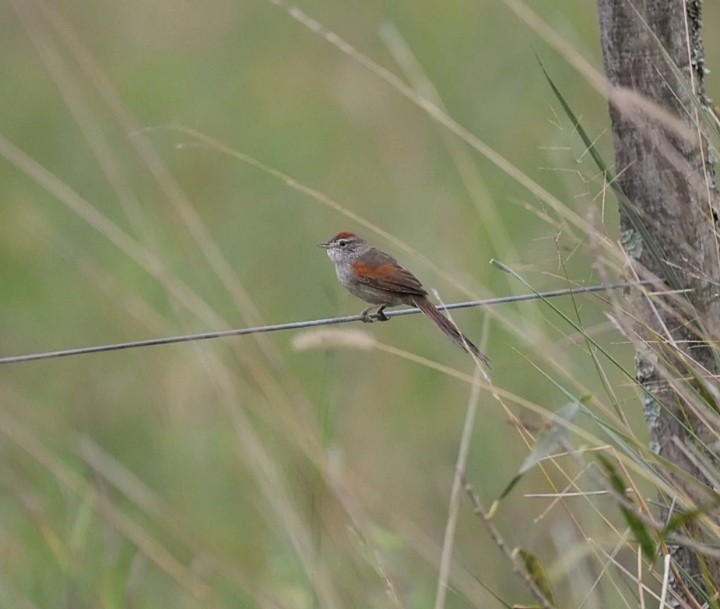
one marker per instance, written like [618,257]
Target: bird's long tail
[449,329]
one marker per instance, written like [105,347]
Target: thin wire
[14,359]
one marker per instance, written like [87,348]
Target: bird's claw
[368,318]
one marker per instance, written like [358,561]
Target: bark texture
[667,172]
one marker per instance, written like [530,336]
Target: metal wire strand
[168,340]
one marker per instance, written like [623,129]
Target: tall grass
[171,174]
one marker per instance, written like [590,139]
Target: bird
[377,278]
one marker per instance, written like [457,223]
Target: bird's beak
[325,245]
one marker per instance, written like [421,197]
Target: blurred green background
[228,473]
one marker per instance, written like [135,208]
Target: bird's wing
[381,270]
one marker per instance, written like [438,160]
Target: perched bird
[378,279]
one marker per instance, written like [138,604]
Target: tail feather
[449,329]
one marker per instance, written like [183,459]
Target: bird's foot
[365,316]
[368,318]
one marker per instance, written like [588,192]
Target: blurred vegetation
[242,472]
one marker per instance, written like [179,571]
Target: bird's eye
[342,242]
